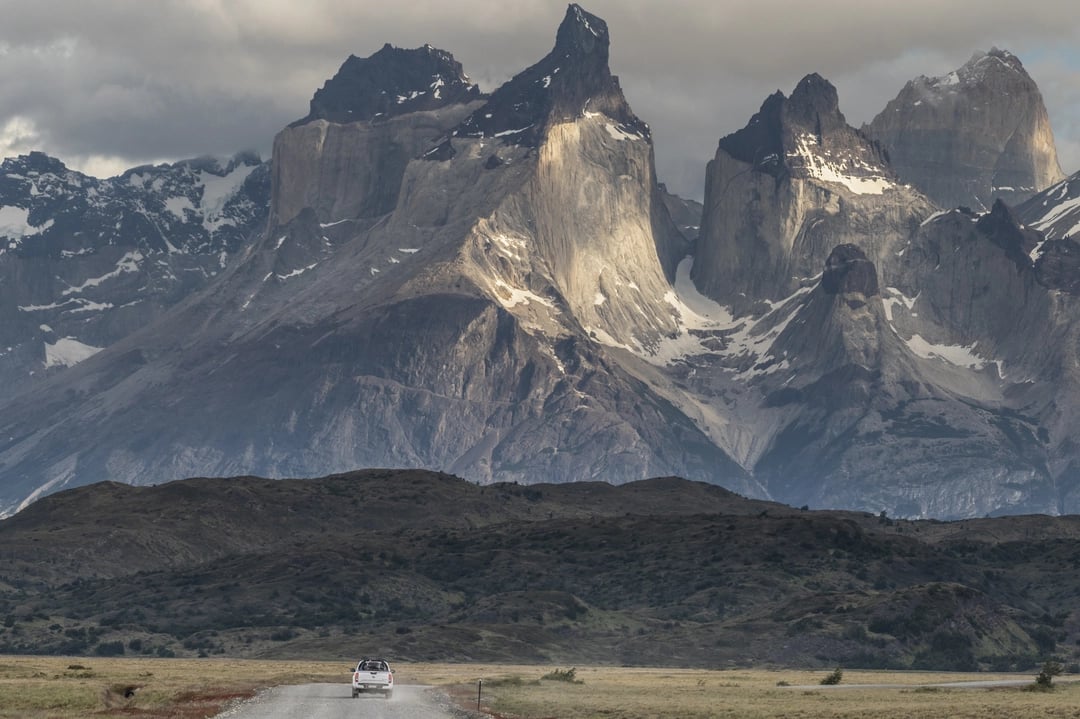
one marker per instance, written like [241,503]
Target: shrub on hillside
[833,677]
[1050,669]
[564,675]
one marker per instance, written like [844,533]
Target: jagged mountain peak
[582,33]
[571,81]
[973,135]
[815,92]
[1055,211]
[806,135]
[209,164]
[392,81]
[992,61]
[815,105]
[985,67]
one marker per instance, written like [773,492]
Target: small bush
[564,675]
[833,677]
[1050,669]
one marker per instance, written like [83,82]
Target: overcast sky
[109,84]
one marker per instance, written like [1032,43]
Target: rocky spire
[815,105]
[571,80]
[393,81]
[783,134]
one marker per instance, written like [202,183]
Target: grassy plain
[108,688]
[625,693]
[66,688]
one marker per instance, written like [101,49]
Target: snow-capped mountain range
[83,262]
[498,286]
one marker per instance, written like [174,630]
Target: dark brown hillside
[420,565]
[112,529]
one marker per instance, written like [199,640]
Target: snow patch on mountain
[953,354]
[128,263]
[1051,223]
[898,298]
[67,351]
[701,319]
[15,223]
[297,272]
[178,206]
[838,169]
[622,132]
[217,190]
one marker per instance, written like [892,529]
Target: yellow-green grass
[695,694]
[65,688]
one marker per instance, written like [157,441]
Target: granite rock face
[978,134]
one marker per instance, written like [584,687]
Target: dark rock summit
[848,270]
[761,143]
[770,140]
[570,81]
[393,81]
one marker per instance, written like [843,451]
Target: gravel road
[334,701]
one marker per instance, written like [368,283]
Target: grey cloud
[165,79]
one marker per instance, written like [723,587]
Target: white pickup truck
[373,675]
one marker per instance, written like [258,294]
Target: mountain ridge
[519,303]
[660,570]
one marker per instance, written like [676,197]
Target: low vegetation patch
[563,675]
[833,677]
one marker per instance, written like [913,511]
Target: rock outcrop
[978,134]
